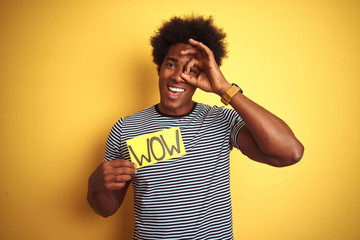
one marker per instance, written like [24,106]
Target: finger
[192,67]
[192,80]
[122,171]
[117,178]
[120,163]
[108,170]
[202,46]
[193,42]
[193,51]
[121,178]
[198,44]
[114,185]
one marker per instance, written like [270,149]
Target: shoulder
[140,115]
[222,112]
[133,118]
[145,112]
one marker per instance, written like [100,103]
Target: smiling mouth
[176,90]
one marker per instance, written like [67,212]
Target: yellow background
[70,69]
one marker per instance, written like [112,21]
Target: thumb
[192,80]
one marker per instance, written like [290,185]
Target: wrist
[230,93]
[224,89]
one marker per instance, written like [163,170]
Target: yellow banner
[157,146]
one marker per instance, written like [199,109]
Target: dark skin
[264,138]
[108,184]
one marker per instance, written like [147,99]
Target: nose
[176,76]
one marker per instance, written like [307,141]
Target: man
[188,197]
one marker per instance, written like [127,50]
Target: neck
[175,112]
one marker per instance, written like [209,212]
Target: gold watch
[226,98]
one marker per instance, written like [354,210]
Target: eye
[193,71]
[170,65]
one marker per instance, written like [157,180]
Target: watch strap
[226,97]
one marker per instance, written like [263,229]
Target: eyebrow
[171,59]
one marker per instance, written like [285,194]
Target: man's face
[175,93]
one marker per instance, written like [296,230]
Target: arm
[108,184]
[265,137]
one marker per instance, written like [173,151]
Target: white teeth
[173,89]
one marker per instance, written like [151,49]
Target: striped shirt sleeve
[236,124]
[112,147]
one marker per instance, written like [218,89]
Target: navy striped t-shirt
[186,197]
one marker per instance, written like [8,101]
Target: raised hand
[209,78]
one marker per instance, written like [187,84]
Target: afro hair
[180,29]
